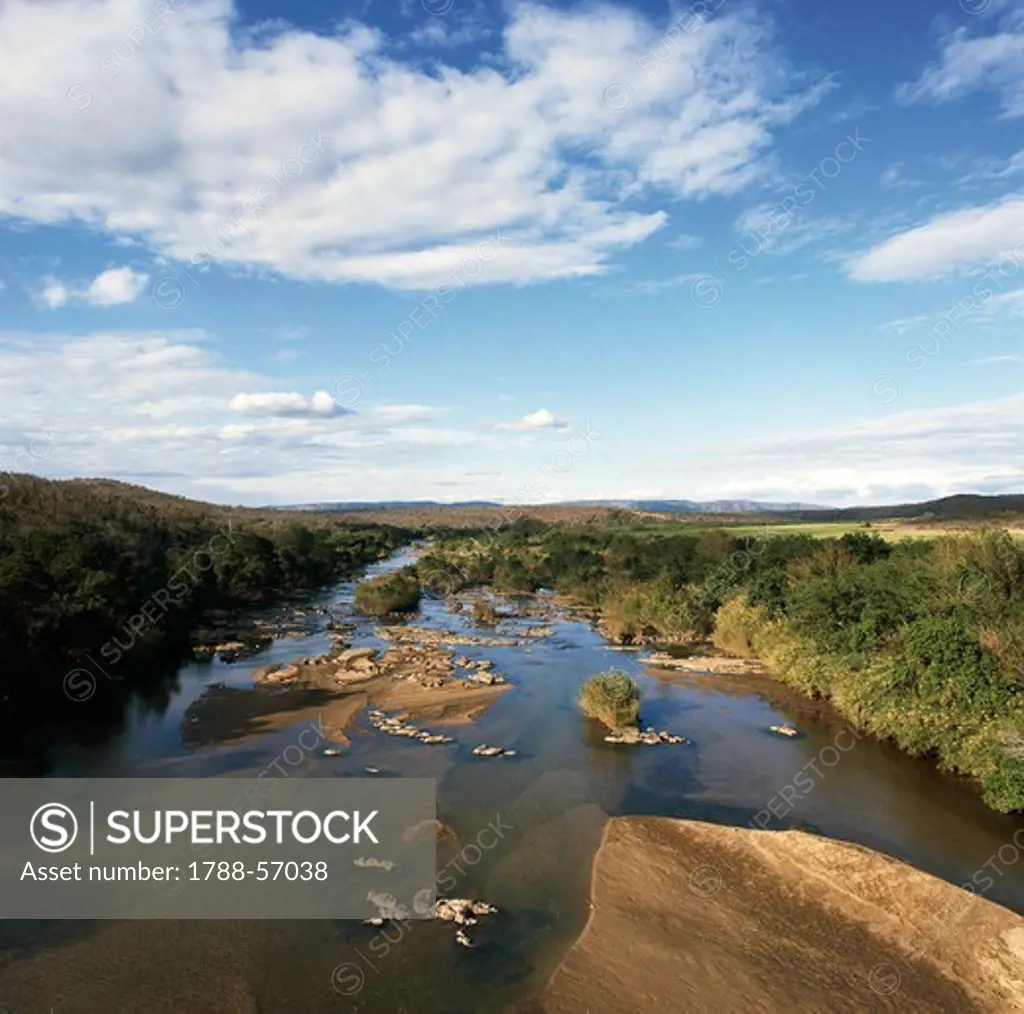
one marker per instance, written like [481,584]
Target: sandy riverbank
[697,917]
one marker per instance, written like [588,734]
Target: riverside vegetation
[397,592]
[920,641]
[80,559]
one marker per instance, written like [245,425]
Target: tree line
[921,640]
[80,559]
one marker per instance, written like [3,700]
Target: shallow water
[528,826]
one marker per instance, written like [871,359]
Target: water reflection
[550,801]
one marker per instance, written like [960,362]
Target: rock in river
[483,750]
[634,737]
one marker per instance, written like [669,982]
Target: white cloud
[54,294]
[949,241]
[994,62]
[912,455]
[116,286]
[996,360]
[280,404]
[542,419]
[293,153]
[151,408]
[109,288]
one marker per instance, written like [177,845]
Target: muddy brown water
[527,826]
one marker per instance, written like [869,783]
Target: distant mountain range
[370,505]
[700,506]
[963,506]
[657,506]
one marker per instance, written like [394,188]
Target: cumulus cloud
[109,288]
[116,286]
[291,150]
[151,408]
[966,63]
[949,241]
[542,419]
[280,404]
[54,294]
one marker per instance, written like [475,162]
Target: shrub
[439,577]
[484,613]
[854,607]
[511,576]
[1003,785]
[944,666]
[611,698]
[768,590]
[737,625]
[865,547]
[624,613]
[398,592]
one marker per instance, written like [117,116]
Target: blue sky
[276,253]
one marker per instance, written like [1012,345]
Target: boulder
[629,736]
[649,737]
[461,911]
[483,750]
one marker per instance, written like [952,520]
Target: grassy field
[891,531]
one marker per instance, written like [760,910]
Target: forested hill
[80,558]
[961,507]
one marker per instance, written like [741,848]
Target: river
[529,826]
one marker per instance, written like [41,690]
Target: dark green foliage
[523,528]
[248,569]
[853,608]
[865,548]
[768,589]
[79,559]
[511,576]
[943,666]
[397,592]
[439,577]
[1004,783]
